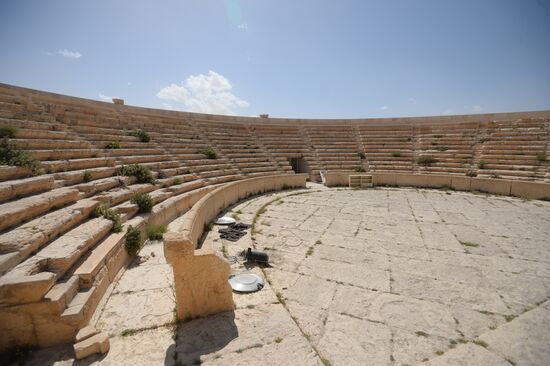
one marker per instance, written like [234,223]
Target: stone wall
[200,274]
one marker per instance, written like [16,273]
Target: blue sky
[309,58]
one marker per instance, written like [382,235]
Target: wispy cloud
[412,100]
[384,108]
[66,53]
[476,109]
[204,93]
[243,26]
[105,98]
[449,111]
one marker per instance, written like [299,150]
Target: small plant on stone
[177,181]
[482,164]
[208,152]
[144,202]
[87,176]
[468,244]
[142,173]
[421,333]
[481,343]
[208,227]
[11,154]
[396,154]
[471,173]
[437,136]
[426,160]
[141,134]
[134,241]
[361,155]
[109,214]
[8,131]
[113,145]
[360,169]
[483,140]
[442,148]
[155,231]
[541,157]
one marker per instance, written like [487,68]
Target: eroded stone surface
[381,277]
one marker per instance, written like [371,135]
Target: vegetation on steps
[208,152]
[155,231]
[141,134]
[11,154]
[113,145]
[144,202]
[8,131]
[426,160]
[142,173]
[109,214]
[134,241]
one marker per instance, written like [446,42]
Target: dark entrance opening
[299,165]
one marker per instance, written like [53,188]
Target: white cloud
[412,100]
[105,97]
[476,109]
[66,53]
[449,111]
[129,83]
[204,93]
[243,26]
[384,108]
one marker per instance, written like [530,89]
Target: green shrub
[471,173]
[208,227]
[109,214]
[396,154]
[208,152]
[177,181]
[8,131]
[134,241]
[426,160]
[541,157]
[437,136]
[155,231]
[481,164]
[483,139]
[144,202]
[87,177]
[142,135]
[361,155]
[113,145]
[12,155]
[360,169]
[142,173]
[442,148]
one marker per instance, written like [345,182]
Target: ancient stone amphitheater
[58,257]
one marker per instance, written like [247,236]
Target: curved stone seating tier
[530,190]
[57,259]
[209,292]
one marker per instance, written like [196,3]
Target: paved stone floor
[370,277]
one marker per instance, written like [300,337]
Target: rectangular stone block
[461,183]
[494,186]
[533,190]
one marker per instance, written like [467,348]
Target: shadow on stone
[201,336]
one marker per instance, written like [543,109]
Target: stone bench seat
[124,153]
[217,173]
[17,244]
[27,133]
[15,189]
[63,154]
[258,169]
[16,212]
[77,176]
[118,195]
[30,280]
[13,172]
[46,144]
[138,159]
[76,164]
[253,164]
[202,168]
[32,125]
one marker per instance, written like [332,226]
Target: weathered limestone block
[201,281]
[21,289]
[85,333]
[27,208]
[23,187]
[98,343]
